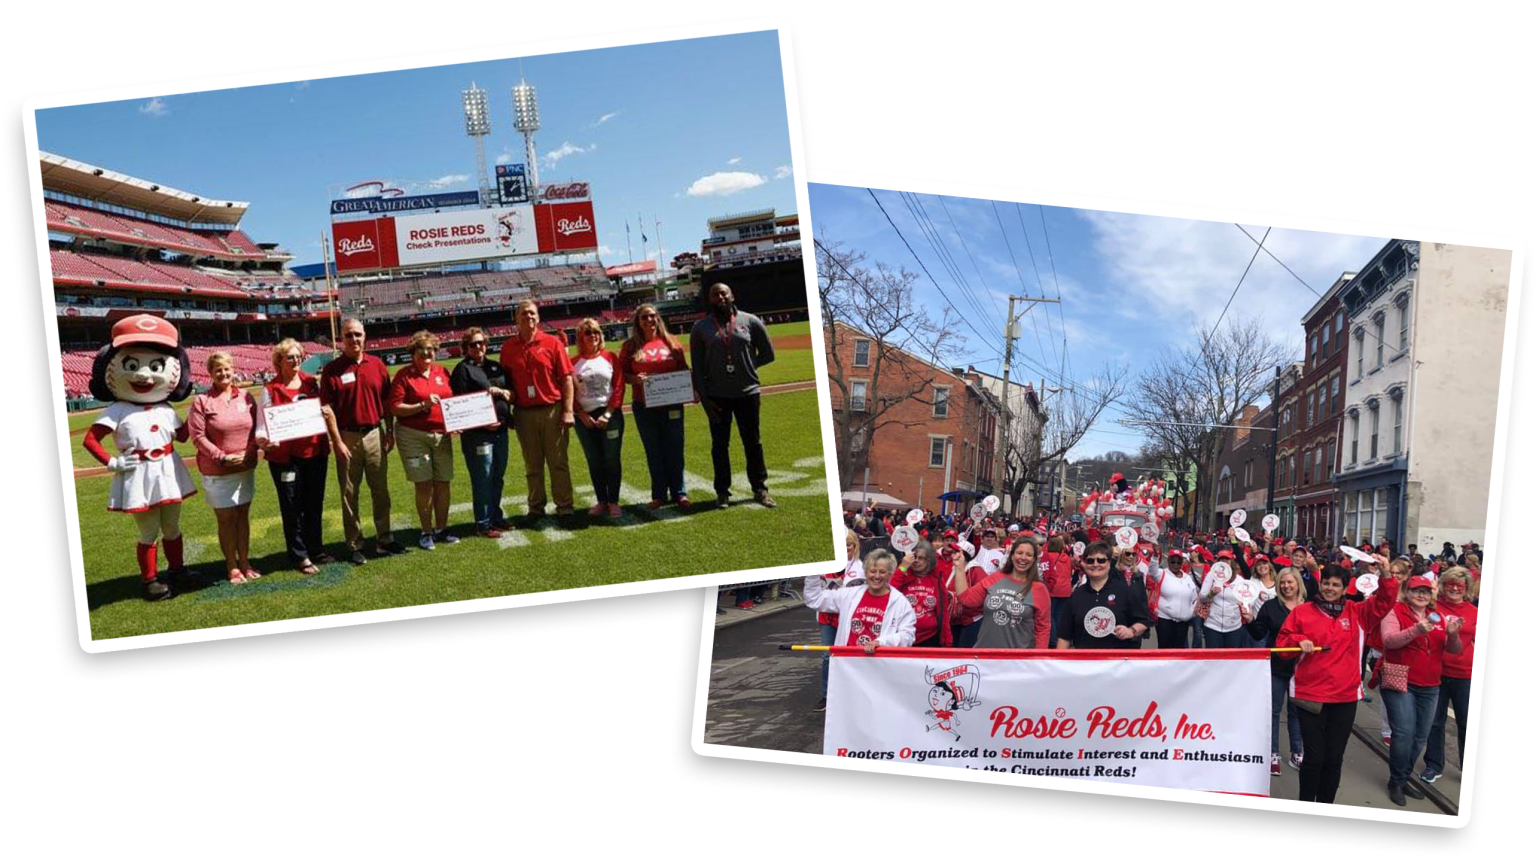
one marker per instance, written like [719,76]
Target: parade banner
[1178,719]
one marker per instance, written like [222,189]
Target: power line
[1277,260]
[1056,282]
[966,246]
[1233,296]
[961,282]
[1034,321]
[931,234]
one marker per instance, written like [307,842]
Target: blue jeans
[602,447]
[828,637]
[1058,616]
[1278,689]
[1412,714]
[1236,639]
[1455,693]
[662,436]
[487,474]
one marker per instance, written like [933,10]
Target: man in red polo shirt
[540,371]
[356,386]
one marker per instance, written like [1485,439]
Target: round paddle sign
[1241,534]
[904,538]
[990,502]
[1270,521]
[1355,554]
[1246,592]
[978,510]
[1367,584]
[1077,549]
[1150,532]
[1239,516]
[1221,571]
[1125,538]
[914,516]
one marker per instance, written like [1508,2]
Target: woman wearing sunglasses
[651,350]
[599,415]
[1457,596]
[426,446]
[485,449]
[1103,612]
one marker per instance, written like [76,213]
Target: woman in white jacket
[1177,592]
[1224,625]
[870,614]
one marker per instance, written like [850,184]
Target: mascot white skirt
[141,371]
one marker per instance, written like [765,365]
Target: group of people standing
[538,388]
[1404,625]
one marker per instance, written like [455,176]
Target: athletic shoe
[1274,764]
[820,706]
[1296,761]
[1386,741]
[1430,776]
[444,537]
[762,497]
[358,559]
[745,604]
[1396,794]
[598,509]
[392,547]
[490,533]
[426,542]
[723,500]
[615,511]
[1412,792]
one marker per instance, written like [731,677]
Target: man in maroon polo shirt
[540,371]
[356,386]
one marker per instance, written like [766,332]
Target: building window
[861,352]
[936,451]
[859,395]
[1306,468]
[1379,526]
[1381,331]
[1360,352]
[1338,327]
[1333,446]
[1354,437]
[1397,422]
[1402,324]
[1333,401]
[1351,516]
[940,401]
[1317,465]
[1327,336]
[1375,426]
[1291,471]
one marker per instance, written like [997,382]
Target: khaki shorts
[426,455]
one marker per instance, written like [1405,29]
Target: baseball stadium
[121,246]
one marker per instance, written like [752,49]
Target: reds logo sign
[579,225]
[351,247]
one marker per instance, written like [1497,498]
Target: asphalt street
[762,697]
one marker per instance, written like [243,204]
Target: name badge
[483,450]
[530,391]
[348,377]
[613,433]
[288,476]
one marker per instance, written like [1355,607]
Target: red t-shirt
[867,619]
[411,387]
[654,358]
[923,593]
[356,390]
[1460,665]
[538,369]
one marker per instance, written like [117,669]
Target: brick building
[1320,414]
[1287,397]
[1242,468]
[921,448]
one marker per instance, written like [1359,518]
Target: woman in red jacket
[1330,631]
[1056,573]
[1457,593]
[1417,638]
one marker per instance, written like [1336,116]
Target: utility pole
[1000,470]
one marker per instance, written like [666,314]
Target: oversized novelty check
[668,388]
[470,411]
[299,419]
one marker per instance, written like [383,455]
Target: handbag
[1394,676]
[1203,609]
[1308,705]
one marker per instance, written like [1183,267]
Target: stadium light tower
[525,117]
[477,125]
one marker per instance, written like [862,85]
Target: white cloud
[446,180]
[734,160]
[725,183]
[155,107]
[567,149]
[605,118]
[782,172]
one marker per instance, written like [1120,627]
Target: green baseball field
[642,545]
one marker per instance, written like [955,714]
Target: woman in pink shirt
[223,424]
[652,350]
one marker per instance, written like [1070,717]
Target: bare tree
[905,344]
[1181,402]
[1068,416]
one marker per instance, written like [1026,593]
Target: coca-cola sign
[565,191]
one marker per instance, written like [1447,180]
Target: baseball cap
[1225,553]
[1421,581]
[1281,561]
[1261,557]
[950,533]
[144,330]
[1175,553]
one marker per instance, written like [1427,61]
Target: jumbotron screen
[389,242]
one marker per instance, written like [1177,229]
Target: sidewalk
[731,616]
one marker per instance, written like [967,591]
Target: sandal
[308,568]
[252,573]
[237,577]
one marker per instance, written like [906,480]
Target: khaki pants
[367,460]
[544,439]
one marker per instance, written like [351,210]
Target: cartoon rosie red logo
[955,689]
[1099,622]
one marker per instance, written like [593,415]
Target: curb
[742,616]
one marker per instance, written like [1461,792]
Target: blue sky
[1131,286]
[679,131]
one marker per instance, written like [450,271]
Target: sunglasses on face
[477,344]
[1095,560]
